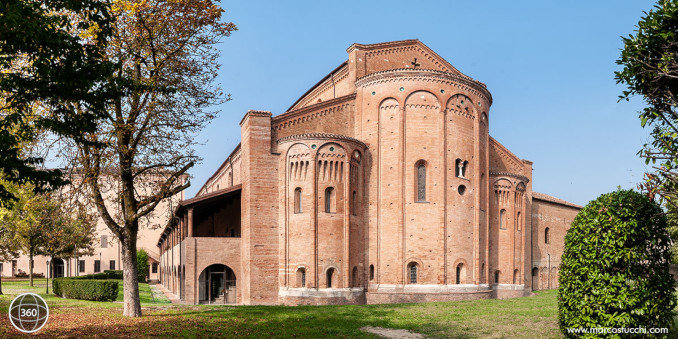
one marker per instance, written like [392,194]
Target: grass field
[15,287]
[524,317]
[529,317]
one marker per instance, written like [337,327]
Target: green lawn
[528,317]
[11,288]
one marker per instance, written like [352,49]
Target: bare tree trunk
[131,304]
[1,283]
[30,268]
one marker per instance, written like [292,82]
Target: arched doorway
[57,268]
[217,285]
[535,279]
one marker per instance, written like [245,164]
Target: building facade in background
[380,184]
[107,251]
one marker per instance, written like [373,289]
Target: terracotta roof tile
[546,197]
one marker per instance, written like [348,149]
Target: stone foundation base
[507,291]
[390,294]
[321,296]
[395,294]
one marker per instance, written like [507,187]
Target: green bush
[113,274]
[142,265]
[615,268]
[86,289]
[108,274]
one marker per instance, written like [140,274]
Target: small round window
[461,189]
[442,91]
[402,89]
[331,148]
[314,146]
[374,93]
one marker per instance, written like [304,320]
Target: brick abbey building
[380,184]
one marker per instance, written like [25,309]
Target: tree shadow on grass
[241,321]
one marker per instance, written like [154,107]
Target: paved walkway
[167,293]
[392,333]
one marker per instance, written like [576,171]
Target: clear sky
[548,64]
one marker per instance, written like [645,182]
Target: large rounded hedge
[615,268]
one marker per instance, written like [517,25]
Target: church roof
[444,64]
[430,60]
[318,84]
[551,199]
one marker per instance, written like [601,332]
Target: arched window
[297,200]
[546,235]
[301,277]
[519,221]
[460,267]
[412,271]
[354,196]
[516,276]
[329,200]
[371,272]
[354,276]
[421,181]
[496,276]
[464,165]
[457,168]
[329,276]
[502,219]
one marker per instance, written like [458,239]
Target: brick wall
[546,256]
[259,211]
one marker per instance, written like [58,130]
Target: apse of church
[380,184]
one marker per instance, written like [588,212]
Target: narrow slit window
[421,182]
[458,277]
[329,200]
[297,200]
[330,275]
[301,277]
[412,272]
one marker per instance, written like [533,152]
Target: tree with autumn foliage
[166,65]
[45,224]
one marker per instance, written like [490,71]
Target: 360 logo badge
[28,312]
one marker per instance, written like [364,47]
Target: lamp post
[47,277]
[548,273]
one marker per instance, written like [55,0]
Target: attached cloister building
[380,184]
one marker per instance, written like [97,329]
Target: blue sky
[548,64]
